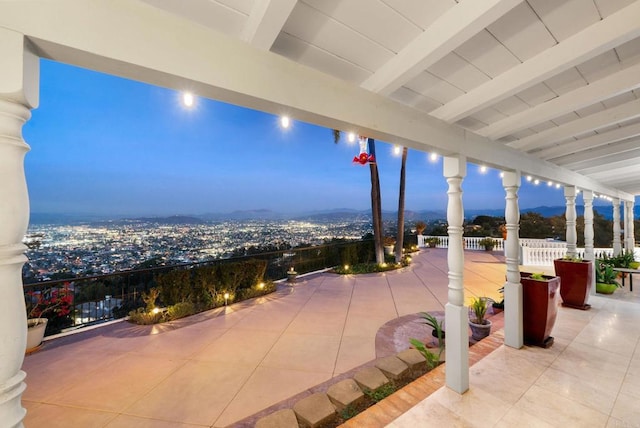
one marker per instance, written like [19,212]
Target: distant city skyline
[102,145]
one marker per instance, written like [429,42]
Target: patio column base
[513,324]
[457,345]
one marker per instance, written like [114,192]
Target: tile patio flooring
[216,368]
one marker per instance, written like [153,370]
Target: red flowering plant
[54,301]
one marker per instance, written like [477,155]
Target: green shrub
[180,310]
[142,317]
[175,286]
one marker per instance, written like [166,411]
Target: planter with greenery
[540,307]
[498,306]
[420,227]
[605,278]
[432,242]
[389,243]
[48,311]
[480,327]
[576,276]
[487,243]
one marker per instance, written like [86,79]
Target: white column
[570,215]
[456,314]
[617,245]
[625,224]
[587,197]
[629,238]
[513,326]
[18,93]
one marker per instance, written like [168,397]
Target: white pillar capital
[20,71]
[18,92]
[454,166]
[570,191]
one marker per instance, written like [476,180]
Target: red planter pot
[540,308]
[576,282]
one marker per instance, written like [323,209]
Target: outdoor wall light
[557,185]
[188,99]
[285,122]
[433,157]
[529,178]
[483,169]
[396,150]
[549,183]
[502,174]
[351,137]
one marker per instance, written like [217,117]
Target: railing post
[570,214]
[18,94]
[587,198]
[513,315]
[617,246]
[456,315]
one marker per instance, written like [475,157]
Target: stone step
[392,367]
[285,418]
[414,359]
[370,378]
[345,393]
[315,410]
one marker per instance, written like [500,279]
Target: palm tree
[376,199]
[400,237]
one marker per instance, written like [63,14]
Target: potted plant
[432,242]
[420,227]
[54,302]
[498,306]
[576,276]
[487,243]
[540,304]
[480,327]
[605,278]
[389,243]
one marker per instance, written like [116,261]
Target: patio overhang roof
[550,93]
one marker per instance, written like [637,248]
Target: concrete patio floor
[219,367]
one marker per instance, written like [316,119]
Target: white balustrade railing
[470,242]
[533,252]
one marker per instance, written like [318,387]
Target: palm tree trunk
[376,205]
[400,238]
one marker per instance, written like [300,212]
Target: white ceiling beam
[590,158]
[266,21]
[588,143]
[628,165]
[149,47]
[448,32]
[619,172]
[592,122]
[614,84]
[606,34]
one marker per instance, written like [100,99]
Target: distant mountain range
[339,214]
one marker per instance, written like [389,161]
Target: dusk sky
[105,145]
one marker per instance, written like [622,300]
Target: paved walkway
[590,377]
[222,366]
[218,367]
